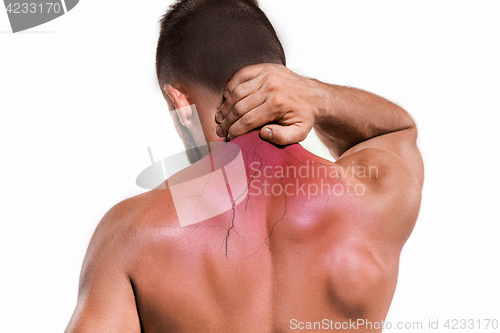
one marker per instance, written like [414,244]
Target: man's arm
[361,130]
[106,301]
[287,106]
[347,116]
[367,132]
[357,125]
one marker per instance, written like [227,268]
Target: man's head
[202,44]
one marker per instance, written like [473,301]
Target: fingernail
[226,93]
[227,137]
[219,131]
[218,118]
[268,133]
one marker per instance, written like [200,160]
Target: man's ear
[181,104]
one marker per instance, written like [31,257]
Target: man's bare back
[305,246]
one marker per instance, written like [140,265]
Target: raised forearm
[346,116]
[286,106]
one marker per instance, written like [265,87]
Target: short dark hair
[206,42]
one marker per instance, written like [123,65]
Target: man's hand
[272,96]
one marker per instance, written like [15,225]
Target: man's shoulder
[134,218]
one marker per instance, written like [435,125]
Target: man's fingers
[239,93]
[283,135]
[243,75]
[239,110]
[254,119]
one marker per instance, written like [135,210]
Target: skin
[273,258]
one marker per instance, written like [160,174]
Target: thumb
[283,135]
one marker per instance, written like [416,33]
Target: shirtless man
[312,250]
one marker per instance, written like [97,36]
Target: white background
[74,90]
